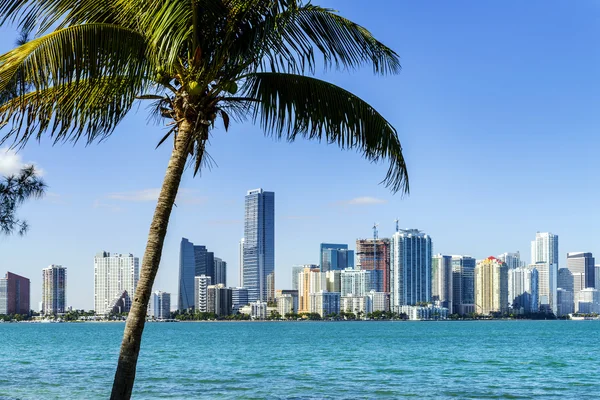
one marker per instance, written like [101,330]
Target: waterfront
[476,359]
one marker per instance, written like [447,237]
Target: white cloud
[362,201]
[185,196]
[11,162]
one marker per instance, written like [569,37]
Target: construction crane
[375,233]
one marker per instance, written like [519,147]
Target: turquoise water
[482,359]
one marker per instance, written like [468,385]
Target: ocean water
[277,360]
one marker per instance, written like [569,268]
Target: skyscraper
[297,269]
[335,257]
[357,282]
[491,286]
[259,242]
[201,284]
[311,280]
[374,255]
[161,305]
[194,260]
[512,260]
[14,294]
[583,263]
[54,288]
[241,262]
[544,250]
[220,271]
[441,285]
[411,254]
[463,284]
[113,275]
[523,289]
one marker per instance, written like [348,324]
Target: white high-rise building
[523,289]
[54,290]
[441,286]
[201,284]
[355,281]
[512,260]
[161,305]
[544,250]
[113,275]
[410,268]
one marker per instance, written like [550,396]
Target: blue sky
[497,110]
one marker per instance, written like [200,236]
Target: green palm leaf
[90,108]
[289,105]
[78,52]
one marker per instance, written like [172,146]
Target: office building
[491,287]
[241,262]
[583,263]
[335,257]
[441,285]
[355,282]
[545,248]
[54,290]
[374,255]
[220,271]
[463,284]
[201,284]
[411,256]
[523,290]
[194,260]
[219,300]
[161,305]
[324,303]
[239,298]
[293,295]
[547,285]
[588,301]
[564,302]
[512,260]
[311,280]
[113,275]
[14,295]
[259,242]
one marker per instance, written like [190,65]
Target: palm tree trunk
[132,337]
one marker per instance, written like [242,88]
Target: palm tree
[199,62]
[14,191]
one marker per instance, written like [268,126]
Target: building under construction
[374,255]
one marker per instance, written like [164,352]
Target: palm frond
[79,52]
[288,106]
[89,108]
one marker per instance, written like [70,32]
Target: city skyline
[460,98]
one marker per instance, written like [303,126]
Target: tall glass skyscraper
[335,257]
[544,254]
[463,284]
[195,260]
[259,242]
[410,256]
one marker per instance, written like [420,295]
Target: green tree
[14,191]
[200,62]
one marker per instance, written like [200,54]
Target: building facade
[512,260]
[311,280]
[219,300]
[259,242]
[356,282]
[220,272]
[239,298]
[463,284]
[523,290]
[583,263]
[441,285]
[358,305]
[374,255]
[113,275]
[335,257]
[411,272]
[54,290]
[14,295]
[293,295]
[324,303]
[201,284]
[334,280]
[491,287]
[545,248]
[161,305]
